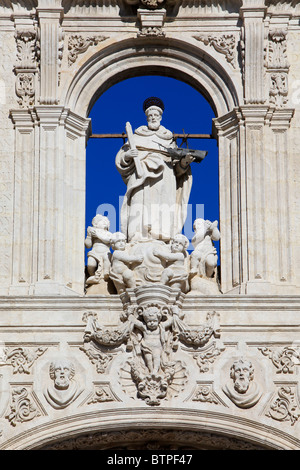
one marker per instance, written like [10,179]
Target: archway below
[154,440]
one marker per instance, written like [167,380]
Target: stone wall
[59,57]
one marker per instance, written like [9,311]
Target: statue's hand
[130,154]
[185,161]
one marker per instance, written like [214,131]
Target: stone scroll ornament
[152,328]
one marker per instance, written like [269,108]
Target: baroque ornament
[204,394]
[25,89]
[208,355]
[153,439]
[285,406]
[21,358]
[149,4]
[101,394]
[278,68]
[284,359]
[26,66]
[225,44]
[152,332]
[78,44]
[22,408]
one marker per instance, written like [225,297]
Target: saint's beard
[241,385]
[153,126]
[62,384]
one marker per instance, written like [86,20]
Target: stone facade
[79,371]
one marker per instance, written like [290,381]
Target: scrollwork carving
[78,44]
[208,356]
[225,44]
[25,89]
[151,31]
[284,407]
[153,438]
[100,359]
[22,408]
[284,359]
[204,394]
[22,359]
[101,394]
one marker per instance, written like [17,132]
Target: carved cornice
[222,5]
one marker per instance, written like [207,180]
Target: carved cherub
[122,263]
[203,260]
[153,329]
[175,272]
[99,239]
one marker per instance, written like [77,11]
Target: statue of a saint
[158,186]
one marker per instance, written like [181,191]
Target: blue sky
[185,109]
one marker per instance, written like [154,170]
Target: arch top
[173,58]
[97,430]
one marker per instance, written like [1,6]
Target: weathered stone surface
[214,353]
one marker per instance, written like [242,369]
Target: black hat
[153,101]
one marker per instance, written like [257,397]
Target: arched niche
[62,133]
[184,61]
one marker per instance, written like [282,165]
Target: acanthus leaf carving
[78,44]
[278,67]
[22,407]
[26,49]
[26,66]
[25,89]
[225,44]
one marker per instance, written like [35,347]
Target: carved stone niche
[153,329]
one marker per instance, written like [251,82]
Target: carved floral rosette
[152,328]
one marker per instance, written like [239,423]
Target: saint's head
[153,108]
